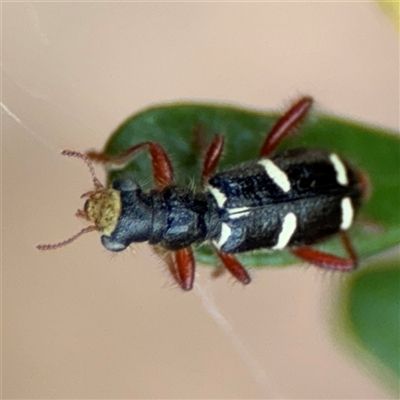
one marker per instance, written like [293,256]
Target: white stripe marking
[276,174]
[288,227]
[225,233]
[340,169]
[220,197]
[347,213]
[238,212]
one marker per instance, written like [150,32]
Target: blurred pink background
[81,323]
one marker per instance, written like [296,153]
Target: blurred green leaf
[370,314]
[392,11]
[374,150]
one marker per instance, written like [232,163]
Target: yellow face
[103,208]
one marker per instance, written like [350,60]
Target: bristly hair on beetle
[102,207]
[289,200]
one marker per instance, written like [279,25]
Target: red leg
[234,267]
[186,265]
[181,265]
[211,158]
[329,261]
[285,125]
[162,167]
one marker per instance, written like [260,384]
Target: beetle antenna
[70,153]
[44,247]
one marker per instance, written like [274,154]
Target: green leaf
[370,315]
[373,150]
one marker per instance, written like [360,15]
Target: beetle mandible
[291,199]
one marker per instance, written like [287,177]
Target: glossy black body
[250,210]
[174,218]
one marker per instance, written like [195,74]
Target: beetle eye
[86,206]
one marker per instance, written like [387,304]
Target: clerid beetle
[291,199]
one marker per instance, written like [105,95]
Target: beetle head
[102,207]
